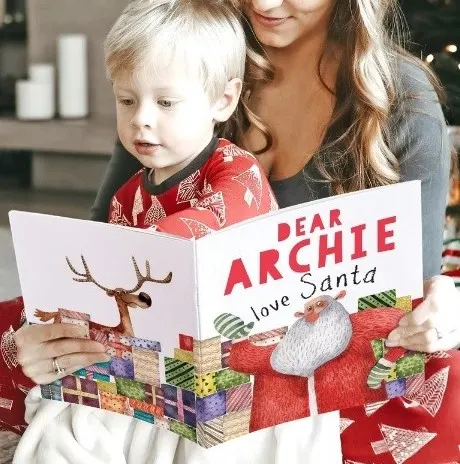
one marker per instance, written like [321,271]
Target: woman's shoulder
[417,119]
[416,91]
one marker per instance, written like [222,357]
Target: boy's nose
[144,117]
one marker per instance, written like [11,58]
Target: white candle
[33,101]
[42,72]
[45,73]
[73,76]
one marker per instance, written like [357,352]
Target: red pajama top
[222,186]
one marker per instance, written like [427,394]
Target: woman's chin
[274,38]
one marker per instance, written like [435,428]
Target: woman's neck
[300,60]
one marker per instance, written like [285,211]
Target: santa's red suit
[420,428]
[340,383]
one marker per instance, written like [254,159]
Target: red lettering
[300,227]
[383,234]
[358,233]
[238,275]
[335,249]
[334,218]
[293,261]
[268,260]
[283,231]
[317,223]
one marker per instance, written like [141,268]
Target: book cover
[268,321]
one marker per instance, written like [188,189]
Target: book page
[48,281]
[305,297]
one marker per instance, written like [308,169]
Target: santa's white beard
[307,346]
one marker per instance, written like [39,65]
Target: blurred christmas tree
[435,36]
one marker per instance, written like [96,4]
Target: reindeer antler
[147,278]
[86,276]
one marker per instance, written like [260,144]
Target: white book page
[43,242]
[273,304]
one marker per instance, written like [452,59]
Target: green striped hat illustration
[232,327]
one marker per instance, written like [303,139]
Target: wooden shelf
[89,136]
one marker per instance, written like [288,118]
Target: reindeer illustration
[124,298]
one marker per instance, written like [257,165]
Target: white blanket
[60,433]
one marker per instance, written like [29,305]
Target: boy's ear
[227,103]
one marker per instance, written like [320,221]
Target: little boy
[177,68]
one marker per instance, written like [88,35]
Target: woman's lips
[268,22]
[146,149]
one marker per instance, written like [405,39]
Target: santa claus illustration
[324,362]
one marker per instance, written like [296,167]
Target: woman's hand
[39,345]
[435,324]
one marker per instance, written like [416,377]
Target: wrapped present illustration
[99,377]
[145,416]
[121,368]
[118,346]
[208,355]
[210,433]
[144,344]
[236,424]
[404,302]
[100,368]
[225,350]
[52,391]
[146,365]
[238,328]
[186,342]
[107,386]
[182,429]
[151,409]
[379,300]
[226,378]
[114,402]
[99,336]
[210,407]
[179,373]
[205,384]
[184,355]
[130,388]
[154,395]
[396,388]
[239,398]
[179,404]
[80,391]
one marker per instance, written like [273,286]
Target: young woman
[331,104]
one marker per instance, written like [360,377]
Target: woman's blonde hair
[355,153]
[207,35]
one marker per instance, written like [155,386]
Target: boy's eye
[125,101]
[165,103]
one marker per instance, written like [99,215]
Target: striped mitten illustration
[383,367]
[232,327]
[379,373]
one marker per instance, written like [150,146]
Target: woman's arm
[121,167]
[423,149]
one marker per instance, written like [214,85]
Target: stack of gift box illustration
[205,400]
[409,371]
[202,399]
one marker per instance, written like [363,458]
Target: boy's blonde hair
[206,34]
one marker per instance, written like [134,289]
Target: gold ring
[58,370]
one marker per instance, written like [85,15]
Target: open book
[268,321]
